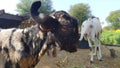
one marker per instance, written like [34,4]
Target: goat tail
[34,8]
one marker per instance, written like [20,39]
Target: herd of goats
[23,48]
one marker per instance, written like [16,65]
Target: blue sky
[99,8]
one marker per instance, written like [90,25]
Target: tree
[108,28]
[114,19]
[24,6]
[80,11]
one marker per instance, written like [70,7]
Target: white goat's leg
[92,56]
[99,52]
[95,52]
[91,49]
[95,45]
[89,42]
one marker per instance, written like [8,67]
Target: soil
[81,59]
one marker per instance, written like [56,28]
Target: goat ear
[34,10]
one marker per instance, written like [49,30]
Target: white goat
[91,29]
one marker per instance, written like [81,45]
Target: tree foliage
[114,19]
[108,28]
[80,11]
[24,6]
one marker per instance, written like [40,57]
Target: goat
[67,33]
[91,29]
[23,48]
[64,27]
[20,44]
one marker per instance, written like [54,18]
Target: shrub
[112,37]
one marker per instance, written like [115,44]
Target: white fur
[5,38]
[91,29]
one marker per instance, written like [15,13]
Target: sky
[9,6]
[99,8]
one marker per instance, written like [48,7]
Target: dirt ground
[81,59]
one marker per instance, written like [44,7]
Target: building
[9,20]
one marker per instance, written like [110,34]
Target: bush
[112,37]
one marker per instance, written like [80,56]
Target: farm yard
[42,29]
[80,59]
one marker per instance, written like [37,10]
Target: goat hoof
[91,62]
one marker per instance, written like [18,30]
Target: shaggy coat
[23,48]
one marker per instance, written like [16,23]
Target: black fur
[10,43]
[67,32]
[34,8]
[28,41]
[8,64]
